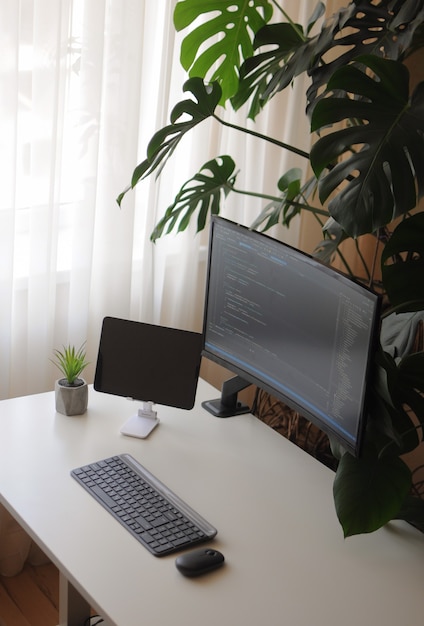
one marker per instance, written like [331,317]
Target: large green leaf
[389,423]
[290,186]
[402,265]
[283,51]
[166,140]
[383,29]
[381,158]
[293,199]
[262,75]
[201,193]
[387,28]
[231,26]
[369,491]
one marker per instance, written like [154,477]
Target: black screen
[290,325]
[148,363]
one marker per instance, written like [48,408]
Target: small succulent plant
[71,363]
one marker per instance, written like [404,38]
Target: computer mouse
[200,561]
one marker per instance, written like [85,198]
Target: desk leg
[73,608]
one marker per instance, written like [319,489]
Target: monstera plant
[368,177]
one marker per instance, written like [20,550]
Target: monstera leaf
[402,265]
[293,199]
[201,193]
[165,140]
[290,187]
[394,390]
[369,491]
[232,26]
[284,51]
[384,29]
[288,53]
[326,249]
[378,159]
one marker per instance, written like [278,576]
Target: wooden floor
[31,597]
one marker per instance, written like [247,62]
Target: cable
[88,621]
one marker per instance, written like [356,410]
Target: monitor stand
[228,405]
[142,423]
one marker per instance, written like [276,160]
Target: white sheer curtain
[84,85]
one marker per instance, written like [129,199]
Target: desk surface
[286,559]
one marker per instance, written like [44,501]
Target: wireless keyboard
[151,512]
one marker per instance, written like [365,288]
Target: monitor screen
[148,363]
[300,330]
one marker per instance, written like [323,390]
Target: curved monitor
[281,320]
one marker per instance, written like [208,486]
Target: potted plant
[71,391]
[367,126]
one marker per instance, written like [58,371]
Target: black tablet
[148,363]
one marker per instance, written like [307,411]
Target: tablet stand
[142,423]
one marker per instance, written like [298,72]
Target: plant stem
[410,305]
[364,265]
[290,21]
[344,261]
[253,133]
[265,196]
[374,262]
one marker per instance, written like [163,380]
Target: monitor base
[217,408]
[228,405]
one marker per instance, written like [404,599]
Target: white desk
[286,559]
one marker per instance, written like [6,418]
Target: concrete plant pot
[71,399]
